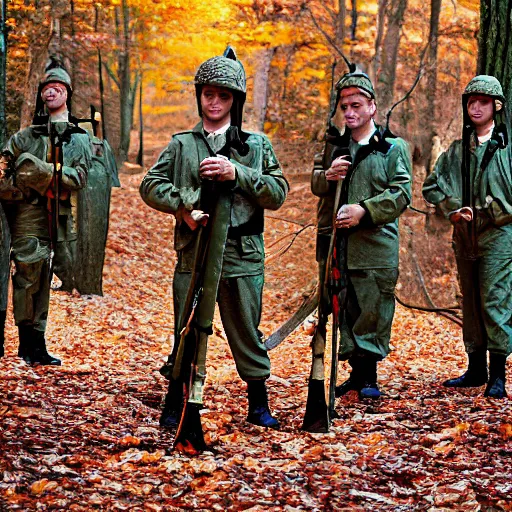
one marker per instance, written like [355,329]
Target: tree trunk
[430,111]
[339,34]
[260,88]
[386,79]
[100,80]
[353,26]
[3,71]
[495,38]
[5,240]
[381,20]
[73,63]
[47,44]
[140,154]
[124,73]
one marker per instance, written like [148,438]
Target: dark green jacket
[491,179]
[380,181]
[174,181]
[26,187]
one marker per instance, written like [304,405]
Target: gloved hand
[33,173]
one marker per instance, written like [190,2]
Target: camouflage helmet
[359,80]
[486,85]
[223,71]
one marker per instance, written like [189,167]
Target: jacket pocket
[252,248]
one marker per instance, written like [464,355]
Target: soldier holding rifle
[375,170]
[47,162]
[219,159]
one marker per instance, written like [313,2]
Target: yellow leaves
[373,439]
[472,5]
[170,465]
[480,428]
[505,430]
[446,434]
[445,448]
[313,454]
[139,490]
[252,464]
[203,467]
[41,486]
[135,456]
[129,440]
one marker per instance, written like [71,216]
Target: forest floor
[85,436]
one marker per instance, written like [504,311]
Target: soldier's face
[357,109]
[481,109]
[216,103]
[54,95]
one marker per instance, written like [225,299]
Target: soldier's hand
[465,213]
[349,216]
[217,168]
[192,219]
[338,169]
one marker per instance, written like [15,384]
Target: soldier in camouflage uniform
[252,171]
[376,191]
[25,190]
[472,184]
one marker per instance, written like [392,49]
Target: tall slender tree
[3,71]
[495,39]
[430,113]
[353,25]
[126,80]
[395,13]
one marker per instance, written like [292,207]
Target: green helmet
[53,73]
[356,79]
[224,71]
[59,75]
[485,84]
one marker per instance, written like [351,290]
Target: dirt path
[85,436]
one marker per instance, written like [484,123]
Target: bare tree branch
[329,38]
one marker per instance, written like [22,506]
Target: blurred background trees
[154,47]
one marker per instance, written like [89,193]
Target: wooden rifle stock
[318,414]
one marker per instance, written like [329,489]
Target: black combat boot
[496,386]
[40,354]
[354,382]
[27,341]
[475,375]
[369,387]
[2,335]
[259,413]
[173,405]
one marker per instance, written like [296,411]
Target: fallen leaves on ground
[86,437]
